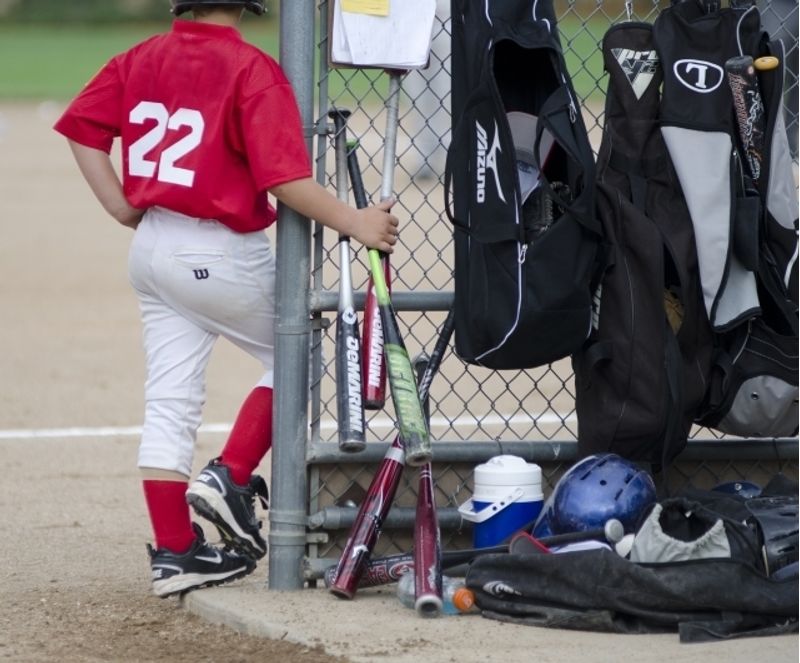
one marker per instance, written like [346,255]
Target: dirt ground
[75,580]
[74,585]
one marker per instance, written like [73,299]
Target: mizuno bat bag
[519,189]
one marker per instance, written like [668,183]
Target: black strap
[638,191]
[600,351]
[672,434]
[638,172]
[594,354]
[630,166]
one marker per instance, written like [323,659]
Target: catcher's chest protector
[521,173]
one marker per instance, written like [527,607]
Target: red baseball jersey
[207,124]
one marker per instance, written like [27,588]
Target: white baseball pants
[196,280]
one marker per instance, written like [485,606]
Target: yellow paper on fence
[401,39]
[374,7]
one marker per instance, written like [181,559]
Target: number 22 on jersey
[165,169]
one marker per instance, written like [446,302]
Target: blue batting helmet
[592,491]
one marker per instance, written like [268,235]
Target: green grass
[49,62]
[52,62]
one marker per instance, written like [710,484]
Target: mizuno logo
[200,274]
[486,158]
[639,67]
[698,75]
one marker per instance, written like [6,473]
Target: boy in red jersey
[208,124]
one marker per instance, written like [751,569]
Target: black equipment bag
[746,226]
[703,596]
[642,373]
[522,267]
[597,590]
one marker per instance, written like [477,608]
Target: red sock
[251,437]
[169,514]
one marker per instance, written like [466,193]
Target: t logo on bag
[698,75]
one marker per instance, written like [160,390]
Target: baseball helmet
[594,490]
[180,6]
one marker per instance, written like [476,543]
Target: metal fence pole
[287,516]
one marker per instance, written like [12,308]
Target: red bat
[346,576]
[388,569]
[427,536]
[427,549]
[367,526]
[373,362]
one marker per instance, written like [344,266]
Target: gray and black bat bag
[746,233]
[696,308]
[519,189]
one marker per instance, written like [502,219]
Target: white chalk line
[376,423]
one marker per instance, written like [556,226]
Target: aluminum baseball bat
[373,361]
[344,579]
[349,395]
[346,576]
[427,549]
[402,383]
[388,569]
[427,536]
[748,109]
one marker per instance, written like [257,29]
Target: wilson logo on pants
[200,274]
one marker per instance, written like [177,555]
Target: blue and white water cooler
[507,497]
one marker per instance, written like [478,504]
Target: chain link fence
[475,413]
